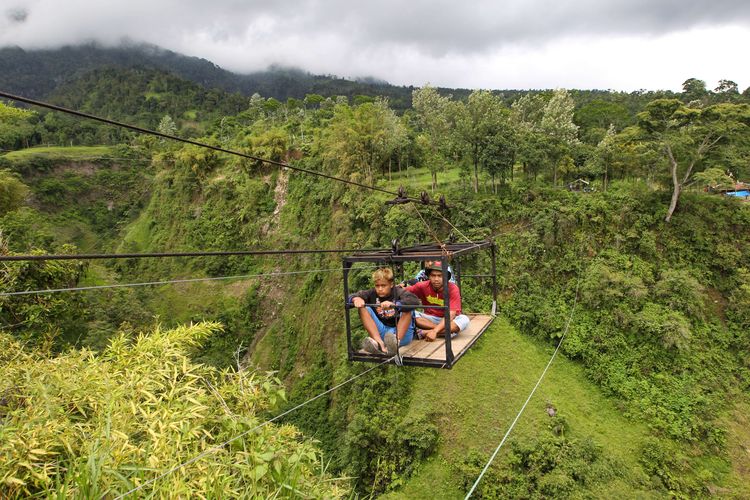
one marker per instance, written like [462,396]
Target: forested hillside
[41,73]
[38,73]
[607,208]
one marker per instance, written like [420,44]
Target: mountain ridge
[39,72]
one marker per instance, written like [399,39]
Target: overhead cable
[429,229]
[538,382]
[99,256]
[142,130]
[460,233]
[165,282]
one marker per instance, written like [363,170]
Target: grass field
[476,401]
[63,152]
[420,179]
[416,180]
[738,440]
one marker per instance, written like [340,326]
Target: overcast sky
[606,44]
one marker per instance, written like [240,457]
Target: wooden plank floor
[436,349]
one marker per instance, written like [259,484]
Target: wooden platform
[436,350]
[423,353]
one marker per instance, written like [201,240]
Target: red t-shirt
[428,296]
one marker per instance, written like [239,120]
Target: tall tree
[167,125]
[596,116]
[727,87]
[557,123]
[687,136]
[603,156]
[479,121]
[694,89]
[13,192]
[400,142]
[432,116]
[499,154]
[16,127]
[360,140]
[533,150]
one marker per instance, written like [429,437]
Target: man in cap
[422,276]
[431,322]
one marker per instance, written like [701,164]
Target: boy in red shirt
[430,292]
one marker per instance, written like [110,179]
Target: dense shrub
[87,425]
[548,466]
[650,326]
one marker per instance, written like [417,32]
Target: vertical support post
[494,278]
[457,269]
[447,312]
[349,349]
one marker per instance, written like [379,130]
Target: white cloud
[624,44]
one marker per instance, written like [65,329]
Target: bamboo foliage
[88,425]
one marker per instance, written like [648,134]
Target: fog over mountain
[624,45]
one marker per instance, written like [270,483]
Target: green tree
[694,89]
[529,109]
[479,123]
[313,100]
[200,161]
[44,318]
[603,157]
[714,178]
[432,116]
[363,99]
[686,136]
[360,140]
[595,118]
[167,126]
[633,157]
[16,127]
[255,106]
[13,192]
[534,150]
[557,123]
[727,87]
[398,143]
[499,154]
[271,106]
[271,144]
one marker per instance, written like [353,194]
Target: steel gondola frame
[396,256]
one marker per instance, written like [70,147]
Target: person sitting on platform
[431,322]
[379,307]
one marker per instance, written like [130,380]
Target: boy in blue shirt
[387,326]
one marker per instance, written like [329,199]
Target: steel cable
[165,282]
[142,130]
[515,420]
[94,256]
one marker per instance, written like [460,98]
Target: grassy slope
[738,441]
[80,165]
[475,402]
[63,153]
